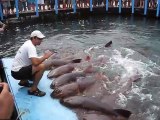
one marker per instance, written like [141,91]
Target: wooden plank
[36,108]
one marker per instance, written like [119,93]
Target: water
[135,50]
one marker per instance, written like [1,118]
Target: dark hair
[34,37]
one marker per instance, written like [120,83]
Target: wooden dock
[30,107]
[86,12]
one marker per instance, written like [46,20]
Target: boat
[28,107]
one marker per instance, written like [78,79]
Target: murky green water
[136,48]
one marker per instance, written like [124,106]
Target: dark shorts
[25,73]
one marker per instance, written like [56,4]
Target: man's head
[37,37]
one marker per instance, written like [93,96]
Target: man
[6,102]
[28,66]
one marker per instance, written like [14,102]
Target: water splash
[125,58]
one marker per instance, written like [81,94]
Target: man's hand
[47,54]
[6,102]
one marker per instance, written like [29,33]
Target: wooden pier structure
[90,8]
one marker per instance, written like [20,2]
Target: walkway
[88,6]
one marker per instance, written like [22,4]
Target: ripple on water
[135,49]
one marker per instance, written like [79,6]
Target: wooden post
[17,10]
[132,6]
[74,6]
[106,5]
[56,6]
[120,5]
[158,6]
[91,8]
[1,12]
[37,11]
[145,7]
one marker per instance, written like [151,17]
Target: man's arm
[37,61]
[6,102]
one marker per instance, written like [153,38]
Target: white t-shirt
[22,58]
